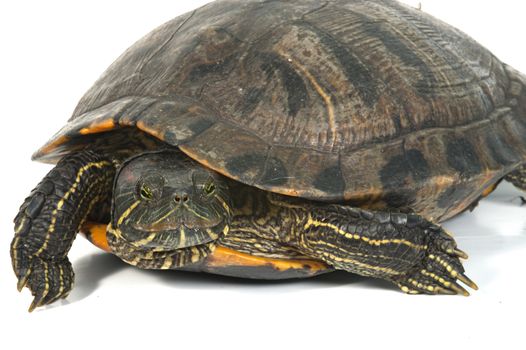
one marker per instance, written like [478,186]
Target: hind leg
[518,178]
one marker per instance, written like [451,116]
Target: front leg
[406,249]
[49,220]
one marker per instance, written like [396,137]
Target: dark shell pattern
[366,101]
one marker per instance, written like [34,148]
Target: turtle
[280,139]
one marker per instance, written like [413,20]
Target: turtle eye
[210,188]
[150,187]
[146,192]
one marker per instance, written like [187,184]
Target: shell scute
[366,101]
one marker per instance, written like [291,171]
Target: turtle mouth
[175,229]
[177,223]
[175,237]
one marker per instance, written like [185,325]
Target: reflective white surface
[54,50]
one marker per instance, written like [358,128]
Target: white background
[52,51]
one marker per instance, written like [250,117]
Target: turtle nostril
[181,198]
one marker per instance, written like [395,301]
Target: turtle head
[165,202]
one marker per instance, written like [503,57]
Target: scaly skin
[49,220]
[406,249]
[518,178]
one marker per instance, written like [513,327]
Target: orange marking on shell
[95,128]
[492,178]
[370,195]
[489,190]
[206,163]
[96,234]
[286,191]
[488,177]
[224,257]
[220,257]
[156,133]
[50,147]
[190,153]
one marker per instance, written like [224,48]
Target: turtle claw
[467,281]
[458,289]
[440,269]
[449,246]
[48,281]
[37,301]
[440,290]
[22,281]
[460,253]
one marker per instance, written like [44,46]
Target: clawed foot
[47,280]
[440,270]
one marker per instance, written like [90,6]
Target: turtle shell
[371,102]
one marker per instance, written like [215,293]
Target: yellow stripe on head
[127,212]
